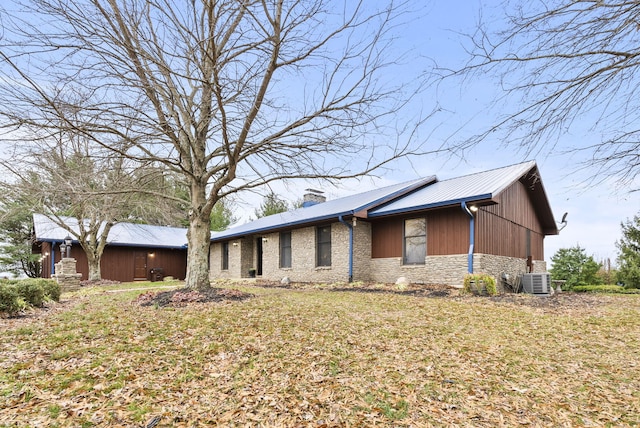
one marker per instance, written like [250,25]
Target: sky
[595,211]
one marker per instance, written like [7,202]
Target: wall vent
[536,283]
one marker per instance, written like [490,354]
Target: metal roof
[122,234]
[476,188]
[325,211]
[469,188]
[416,195]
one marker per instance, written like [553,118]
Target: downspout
[471,236]
[341,220]
[53,258]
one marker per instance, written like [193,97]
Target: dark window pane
[323,245]
[225,256]
[285,249]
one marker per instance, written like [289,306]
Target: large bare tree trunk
[95,273]
[199,236]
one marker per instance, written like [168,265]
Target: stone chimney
[312,197]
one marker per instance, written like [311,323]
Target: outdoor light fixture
[63,250]
[473,208]
[235,244]
[68,241]
[264,239]
[355,221]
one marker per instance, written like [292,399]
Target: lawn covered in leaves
[323,358]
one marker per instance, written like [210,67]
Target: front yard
[324,358]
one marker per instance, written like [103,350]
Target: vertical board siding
[117,263]
[447,232]
[386,238]
[515,204]
[501,229]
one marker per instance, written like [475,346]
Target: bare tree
[229,94]
[69,179]
[566,66]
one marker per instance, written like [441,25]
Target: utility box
[536,283]
[157,274]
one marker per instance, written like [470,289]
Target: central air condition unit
[536,283]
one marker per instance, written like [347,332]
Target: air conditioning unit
[536,283]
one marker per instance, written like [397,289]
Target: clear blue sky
[595,211]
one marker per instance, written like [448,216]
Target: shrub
[51,289]
[10,300]
[478,283]
[605,289]
[19,294]
[31,291]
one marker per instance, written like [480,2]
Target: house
[426,230]
[132,250]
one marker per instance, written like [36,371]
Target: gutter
[350,227]
[472,239]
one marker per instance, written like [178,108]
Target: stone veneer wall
[215,261]
[442,269]
[361,251]
[303,256]
[66,274]
[449,269]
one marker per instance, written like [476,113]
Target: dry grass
[313,358]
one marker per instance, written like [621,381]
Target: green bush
[605,289]
[10,300]
[51,289]
[19,294]
[31,291]
[479,283]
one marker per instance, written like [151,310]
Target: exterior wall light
[68,241]
[264,239]
[473,208]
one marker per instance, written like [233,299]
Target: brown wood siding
[501,229]
[502,237]
[447,232]
[117,263]
[44,248]
[514,204]
[386,238]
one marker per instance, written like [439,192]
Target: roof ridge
[532,162]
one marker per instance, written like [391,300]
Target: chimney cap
[314,191]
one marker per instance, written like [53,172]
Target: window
[285,249]
[323,245]
[415,241]
[225,256]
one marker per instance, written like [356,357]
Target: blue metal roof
[325,211]
[469,188]
[122,234]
